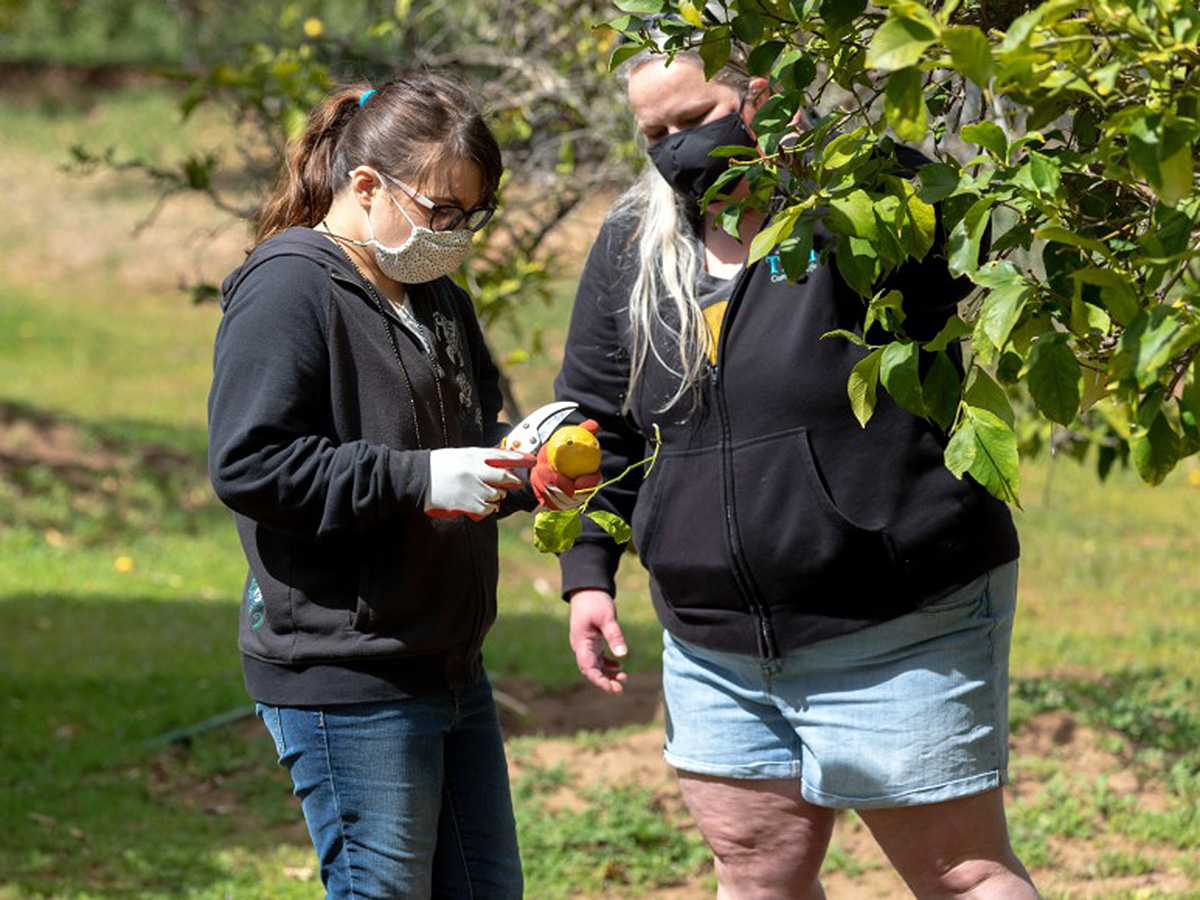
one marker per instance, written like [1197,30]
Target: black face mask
[682,158]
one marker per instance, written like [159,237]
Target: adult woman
[837,607]
[352,410]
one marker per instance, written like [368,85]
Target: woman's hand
[594,624]
[557,491]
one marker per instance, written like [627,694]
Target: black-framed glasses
[443,217]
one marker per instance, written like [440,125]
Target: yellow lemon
[314,27]
[573,451]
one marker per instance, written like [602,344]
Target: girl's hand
[471,480]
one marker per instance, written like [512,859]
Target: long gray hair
[669,259]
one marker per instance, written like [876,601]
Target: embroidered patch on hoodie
[256,607]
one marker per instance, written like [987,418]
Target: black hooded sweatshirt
[319,441]
[772,518]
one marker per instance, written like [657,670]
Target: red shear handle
[527,461]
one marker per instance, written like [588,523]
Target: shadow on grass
[98,482]
[94,800]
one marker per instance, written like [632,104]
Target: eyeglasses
[447,218]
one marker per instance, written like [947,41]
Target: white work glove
[471,480]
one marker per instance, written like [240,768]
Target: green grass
[621,841]
[1108,573]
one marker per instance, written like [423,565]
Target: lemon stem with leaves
[556,530]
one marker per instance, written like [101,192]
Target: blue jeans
[407,798]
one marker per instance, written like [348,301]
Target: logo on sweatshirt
[256,607]
[776,265]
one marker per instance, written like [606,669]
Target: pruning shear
[525,438]
[535,429]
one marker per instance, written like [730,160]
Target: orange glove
[556,491]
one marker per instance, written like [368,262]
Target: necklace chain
[431,352]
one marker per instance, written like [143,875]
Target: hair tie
[363,99]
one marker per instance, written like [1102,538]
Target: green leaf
[904,104]
[715,49]
[1039,174]
[778,230]
[1155,450]
[1007,292]
[1117,294]
[840,13]
[556,530]
[887,308]
[921,227]
[940,391]
[858,264]
[1148,343]
[989,136]
[900,42]
[899,373]
[844,150]
[735,151]
[1085,317]
[986,448]
[1022,27]
[723,183]
[864,378]
[622,53]
[1054,378]
[970,53]
[854,214]
[983,392]
[1064,236]
[954,329]
[796,252]
[938,181]
[967,236]
[1172,235]
[748,27]
[616,527]
[847,335]
[798,74]
[762,58]
[1176,173]
[776,114]
[641,7]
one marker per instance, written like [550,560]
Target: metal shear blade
[535,429]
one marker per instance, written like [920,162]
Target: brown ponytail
[406,129]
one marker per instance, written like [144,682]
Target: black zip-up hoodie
[773,519]
[319,443]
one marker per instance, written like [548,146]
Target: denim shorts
[910,711]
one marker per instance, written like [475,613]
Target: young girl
[352,421]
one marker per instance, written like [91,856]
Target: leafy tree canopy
[1062,138]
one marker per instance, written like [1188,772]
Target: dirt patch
[34,81]
[580,707]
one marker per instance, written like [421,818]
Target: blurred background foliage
[265,64]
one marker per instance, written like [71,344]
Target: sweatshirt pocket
[798,545]
[681,534]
